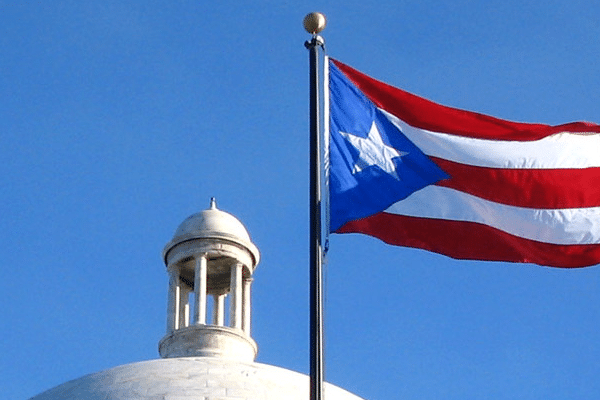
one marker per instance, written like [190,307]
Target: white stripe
[561,150]
[562,226]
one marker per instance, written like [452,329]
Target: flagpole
[314,23]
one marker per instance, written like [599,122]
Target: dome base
[208,341]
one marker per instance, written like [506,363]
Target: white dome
[192,378]
[212,224]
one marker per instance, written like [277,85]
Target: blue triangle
[359,195]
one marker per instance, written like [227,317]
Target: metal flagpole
[314,23]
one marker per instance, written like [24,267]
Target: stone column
[200,274]
[246,306]
[173,301]
[218,317]
[235,302]
[184,304]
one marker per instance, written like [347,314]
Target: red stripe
[425,114]
[471,241]
[531,188]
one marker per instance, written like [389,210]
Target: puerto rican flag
[415,173]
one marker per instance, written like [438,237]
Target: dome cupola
[210,262]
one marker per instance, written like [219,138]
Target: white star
[372,151]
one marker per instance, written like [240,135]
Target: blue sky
[121,118]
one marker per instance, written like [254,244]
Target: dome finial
[213,203]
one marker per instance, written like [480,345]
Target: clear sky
[119,119]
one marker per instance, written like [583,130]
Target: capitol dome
[192,378]
[204,354]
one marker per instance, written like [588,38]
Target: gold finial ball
[314,22]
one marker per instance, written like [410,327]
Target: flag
[415,173]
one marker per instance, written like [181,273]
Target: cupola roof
[212,223]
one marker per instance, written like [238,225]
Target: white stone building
[210,262]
